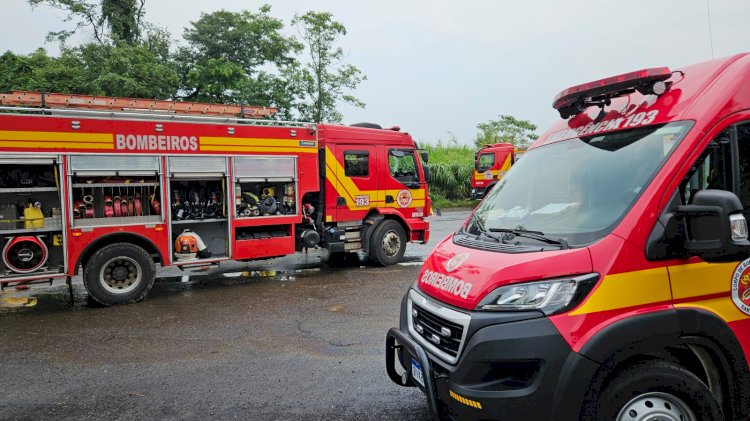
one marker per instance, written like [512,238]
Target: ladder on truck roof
[59,101]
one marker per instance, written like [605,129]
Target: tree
[226,52]
[126,70]
[91,69]
[108,20]
[506,129]
[38,71]
[324,79]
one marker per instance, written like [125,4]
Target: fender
[652,333]
[371,222]
[136,239]
[378,215]
[707,330]
[636,335]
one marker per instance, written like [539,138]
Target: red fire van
[607,276]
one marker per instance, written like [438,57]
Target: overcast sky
[440,66]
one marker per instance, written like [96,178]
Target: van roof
[705,92]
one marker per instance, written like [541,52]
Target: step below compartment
[263,241]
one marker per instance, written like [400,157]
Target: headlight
[551,296]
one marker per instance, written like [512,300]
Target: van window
[486,160]
[743,149]
[714,170]
[403,166]
[577,189]
[356,163]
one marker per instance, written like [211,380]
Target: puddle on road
[64,298]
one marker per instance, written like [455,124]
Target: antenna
[710,34]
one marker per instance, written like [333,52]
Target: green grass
[451,167]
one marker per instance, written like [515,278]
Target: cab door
[355,186]
[719,288]
[402,188]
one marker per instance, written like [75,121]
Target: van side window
[714,171]
[403,165]
[486,160]
[743,150]
[356,163]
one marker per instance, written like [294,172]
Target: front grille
[443,334]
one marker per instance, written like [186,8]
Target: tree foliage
[506,129]
[226,52]
[92,69]
[324,79]
[241,57]
[108,20]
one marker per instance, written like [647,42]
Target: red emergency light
[575,99]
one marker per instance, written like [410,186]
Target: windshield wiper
[535,235]
[481,229]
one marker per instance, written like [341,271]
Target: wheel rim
[391,243]
[656,406]
[120,275]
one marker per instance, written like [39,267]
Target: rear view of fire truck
[111,187]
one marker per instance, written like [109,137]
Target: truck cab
[491,163]
[607,275]
[375,190]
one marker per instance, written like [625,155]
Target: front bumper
[477,194]
[510,367]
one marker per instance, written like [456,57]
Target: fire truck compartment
[114,190]
[31,239]
[263,241]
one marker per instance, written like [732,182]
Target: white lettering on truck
[638,119]
[447,283]
[150,142]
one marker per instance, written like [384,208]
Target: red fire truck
[113,187]
[607,277]
[490,165]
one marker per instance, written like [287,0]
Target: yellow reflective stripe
[252,141]
[628,289]
[56,145]
[506,165]
[722,307]
[51,137]
[465,401]
[701,279]
[227,148]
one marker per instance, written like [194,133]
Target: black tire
[488,190]
[387,243]
[652,386]
[119,273]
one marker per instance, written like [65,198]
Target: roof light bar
[575,99]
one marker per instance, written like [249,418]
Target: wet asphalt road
[284,339]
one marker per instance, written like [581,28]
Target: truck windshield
[578,189]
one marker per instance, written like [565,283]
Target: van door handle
[389,198]
[340,201]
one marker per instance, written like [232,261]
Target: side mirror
[425,156]
[427,176]
[716,230]
[476,165]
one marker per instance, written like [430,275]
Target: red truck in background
[490,165]
[113,187]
